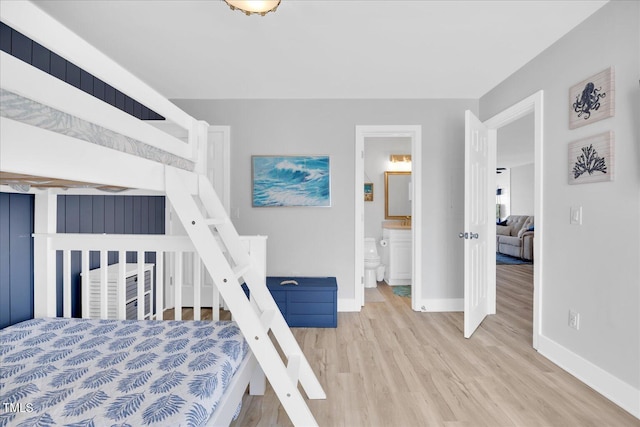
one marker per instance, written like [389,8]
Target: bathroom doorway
[376,135]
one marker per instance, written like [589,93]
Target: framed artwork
[591,159]
[592,99]
[368,192]
[291,181]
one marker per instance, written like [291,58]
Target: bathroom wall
[376,162]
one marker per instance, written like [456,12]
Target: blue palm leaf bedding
[88,372]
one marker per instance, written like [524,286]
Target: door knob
[463,235]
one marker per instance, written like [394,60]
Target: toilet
[373,270]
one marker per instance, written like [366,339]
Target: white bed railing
[167,249]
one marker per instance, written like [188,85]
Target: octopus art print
[592,99]
[588,101]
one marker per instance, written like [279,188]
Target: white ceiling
[322,49]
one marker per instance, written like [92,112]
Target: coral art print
[592,99]
[591,159]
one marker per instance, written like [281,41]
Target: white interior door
[479,258]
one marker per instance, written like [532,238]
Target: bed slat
[85,282]
[197,284]
[104,278]
[159,285]
[66,280]
[177,280]
[122,285]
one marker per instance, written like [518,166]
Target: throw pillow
[504,230]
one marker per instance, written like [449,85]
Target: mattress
[89,372]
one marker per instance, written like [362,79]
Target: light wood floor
[391,366]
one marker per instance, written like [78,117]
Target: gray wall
[521,189]
[593,268]
[320,241]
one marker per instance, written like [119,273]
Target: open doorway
[515,224]
[413,134]
[531,106]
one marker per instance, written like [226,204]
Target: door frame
[414,132]
[532,104]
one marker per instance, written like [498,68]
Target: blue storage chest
[312,303]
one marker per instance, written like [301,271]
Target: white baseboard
[614,389]
[348,304]
[440,305]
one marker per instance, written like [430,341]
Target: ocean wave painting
[291,181]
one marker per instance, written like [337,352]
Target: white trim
[614,389]
[75,159]
[532,104]
[415,133]
[25,80]
[222,165]
[443,304]
[348,305]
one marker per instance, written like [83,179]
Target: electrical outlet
[574,320]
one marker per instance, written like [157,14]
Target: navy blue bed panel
[22,47]
[16,258]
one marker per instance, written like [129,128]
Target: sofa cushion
[503,230]
[510,240]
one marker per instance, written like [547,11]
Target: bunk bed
[71,135]
[66,371]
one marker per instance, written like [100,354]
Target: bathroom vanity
[396,255]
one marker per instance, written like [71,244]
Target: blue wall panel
[16,258]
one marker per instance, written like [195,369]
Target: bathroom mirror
[397,195]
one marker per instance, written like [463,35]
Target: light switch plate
[576,215]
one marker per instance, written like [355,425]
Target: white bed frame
[168,158]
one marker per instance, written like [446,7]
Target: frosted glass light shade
[261,7]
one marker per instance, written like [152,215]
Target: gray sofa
[515,236]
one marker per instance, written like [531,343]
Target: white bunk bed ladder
[257,317]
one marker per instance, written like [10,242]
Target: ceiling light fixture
[249,7]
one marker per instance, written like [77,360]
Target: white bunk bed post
[44,259]
[254,325]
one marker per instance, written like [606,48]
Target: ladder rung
[215,221]
[239,270]
[267,318]
[293,367]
